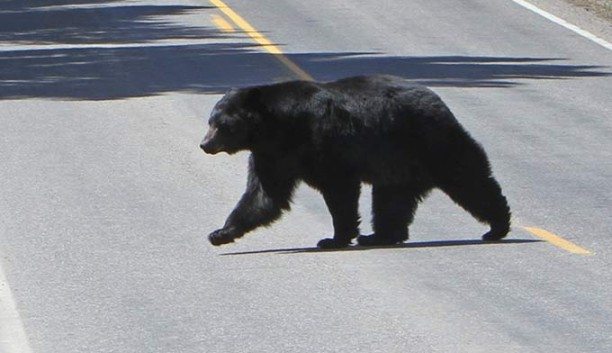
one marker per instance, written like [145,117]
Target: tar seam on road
[557,241]
[12,333]
[261,39]
[269,46]
[66,46]
[565,24]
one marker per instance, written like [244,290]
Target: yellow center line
[222,24]
[261,39]
[557,241]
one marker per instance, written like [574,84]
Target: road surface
[106,199]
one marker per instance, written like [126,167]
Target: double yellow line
[273,49]
[259,38]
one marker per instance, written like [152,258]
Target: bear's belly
[387,163]
[393,172]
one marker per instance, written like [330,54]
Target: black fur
[382,130]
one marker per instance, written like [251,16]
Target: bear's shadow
[424,244]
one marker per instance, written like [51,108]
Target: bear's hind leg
[462,170]
[393,209]
[482,197]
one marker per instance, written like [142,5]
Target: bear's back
[384,85]
[389,102]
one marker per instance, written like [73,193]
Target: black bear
[397,136]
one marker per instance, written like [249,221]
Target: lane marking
[12,333]
[565,24]
[222,24]
[557,241]
[267,44]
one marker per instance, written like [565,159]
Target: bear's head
[232,123]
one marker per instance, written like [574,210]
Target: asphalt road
[106,199]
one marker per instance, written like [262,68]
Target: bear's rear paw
[376,240]
[494,235]
[223,236]
[330,243]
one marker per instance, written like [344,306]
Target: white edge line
[13,338]
[565,24]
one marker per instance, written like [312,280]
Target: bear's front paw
[223,236]
[330,243]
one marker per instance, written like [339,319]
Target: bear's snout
[206,148]
[208,144]
[209,148]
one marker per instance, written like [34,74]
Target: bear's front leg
[267,194]
[342,200]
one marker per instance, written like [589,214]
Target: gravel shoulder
[601,8]
[594,16]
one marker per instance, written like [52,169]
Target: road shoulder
[586,14]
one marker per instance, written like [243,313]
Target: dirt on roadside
[601,8]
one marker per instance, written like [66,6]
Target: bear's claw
[493,236]
[221,236]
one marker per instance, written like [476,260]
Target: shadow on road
[87,22]
[98,50]
[116,73]
[427,244]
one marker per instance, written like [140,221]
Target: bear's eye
[228,129]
